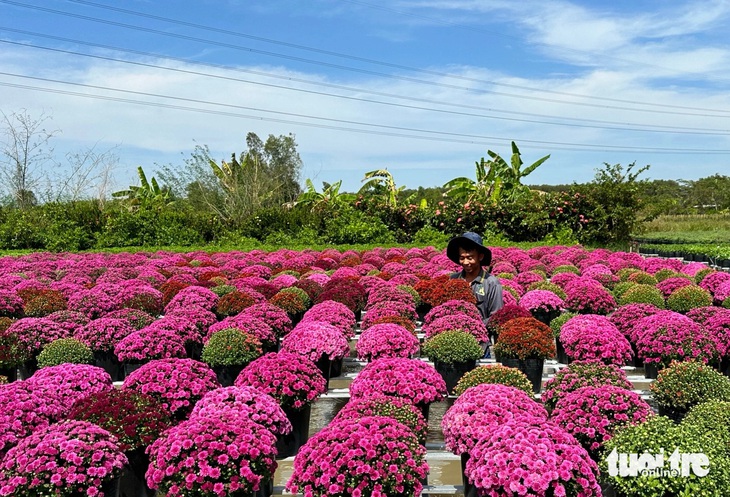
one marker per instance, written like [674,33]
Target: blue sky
[421,87]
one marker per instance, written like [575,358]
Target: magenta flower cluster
[412,379]
[451,307]
[67,457]
[532,459]
[589,300]
[387,309]
[149,344]
[213,455]
[272,315]
[313,339]
[593,414]
[386,340]
[294,381]
[251,325]
[23,410]
[104,334]
[626,316]
[541,301]
[334,313]
[66,383]
[371,456]
[481,409]
[255,404]
[591,337]
[669,335]
[35,333]
[177,383]
[459,321]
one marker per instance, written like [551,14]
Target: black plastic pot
[532,367]
[288,445]
[452,372]
[227,374]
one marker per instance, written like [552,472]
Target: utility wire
[608,125]
[217,29]
[373,127]
[721,113]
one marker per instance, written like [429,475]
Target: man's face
[470,260]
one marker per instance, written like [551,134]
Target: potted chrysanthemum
[453,353]
[525,343]
[228,351]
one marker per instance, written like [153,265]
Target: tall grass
[688,222]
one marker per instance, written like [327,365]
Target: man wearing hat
[468,252]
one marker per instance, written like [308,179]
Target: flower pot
[288,445]
[637,361]
[267,347]
[324,364]
[109,363]
[562,356]
[651,370]
[131,367]
[422,310]
[266,489]
[532,367]
[227,374]
[27,368]
[469,489]
[724,366]
[545,316]
[10,373]
[424,408]
[194,350]
[608,490]
[452,372]
[336,367]
[132,482]
[676,415]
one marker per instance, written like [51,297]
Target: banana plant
[329,197]
[486,187]
[147,195]
[381,180]
[511,174]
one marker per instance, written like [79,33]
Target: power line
[373,127]
[390,64]
[607,124]
[722,113]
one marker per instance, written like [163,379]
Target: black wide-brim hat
[468,240]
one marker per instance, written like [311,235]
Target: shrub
[582,374]
[386,340]
[391,407]
[230,347]
[233,303]
[451,347]
[546,285]
[557,323]
[497,374]
[683,385]
[660,435]
[643,294]
[65,350]
[710,417]
[525,337]
[690,297]
[44,303]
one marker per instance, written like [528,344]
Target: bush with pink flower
[93,303]
[104,334]
[272,315]
[532,459]
[247,401]
[392,407]
[593,414]
[589,300]
[66,459]
[668,285]
[452,307]
[249,324]
[67,383]
[370,456]
[313,339]
[626,316]
[463,322]
[293,380]
[668,335]
[541,301]
[582,374]
[478,411]
[386,340]
[334,313]
[177,383]
[412,379]
[193,296]
[149,344]
[376,313]
[218,455]
[35,333]
[591,337]
[24,410]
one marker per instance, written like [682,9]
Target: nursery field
[362,373]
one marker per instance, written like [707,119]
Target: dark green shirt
[488,291]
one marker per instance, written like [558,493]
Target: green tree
[614,194]
[710,194]
[282,161]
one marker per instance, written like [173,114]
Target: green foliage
[65,350]
[567,268]
[329,198]
[620,288]
[710,417]
[452,346]
[299,293]
[642,294]
[559,321]
[525,217]
[148,195]
[430,236]
[614,194]
[683,385]
[381,183]
[498,374]
[687,298]
[656,435]
[545,285]
[231,347]
[150,228]
[349,226]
